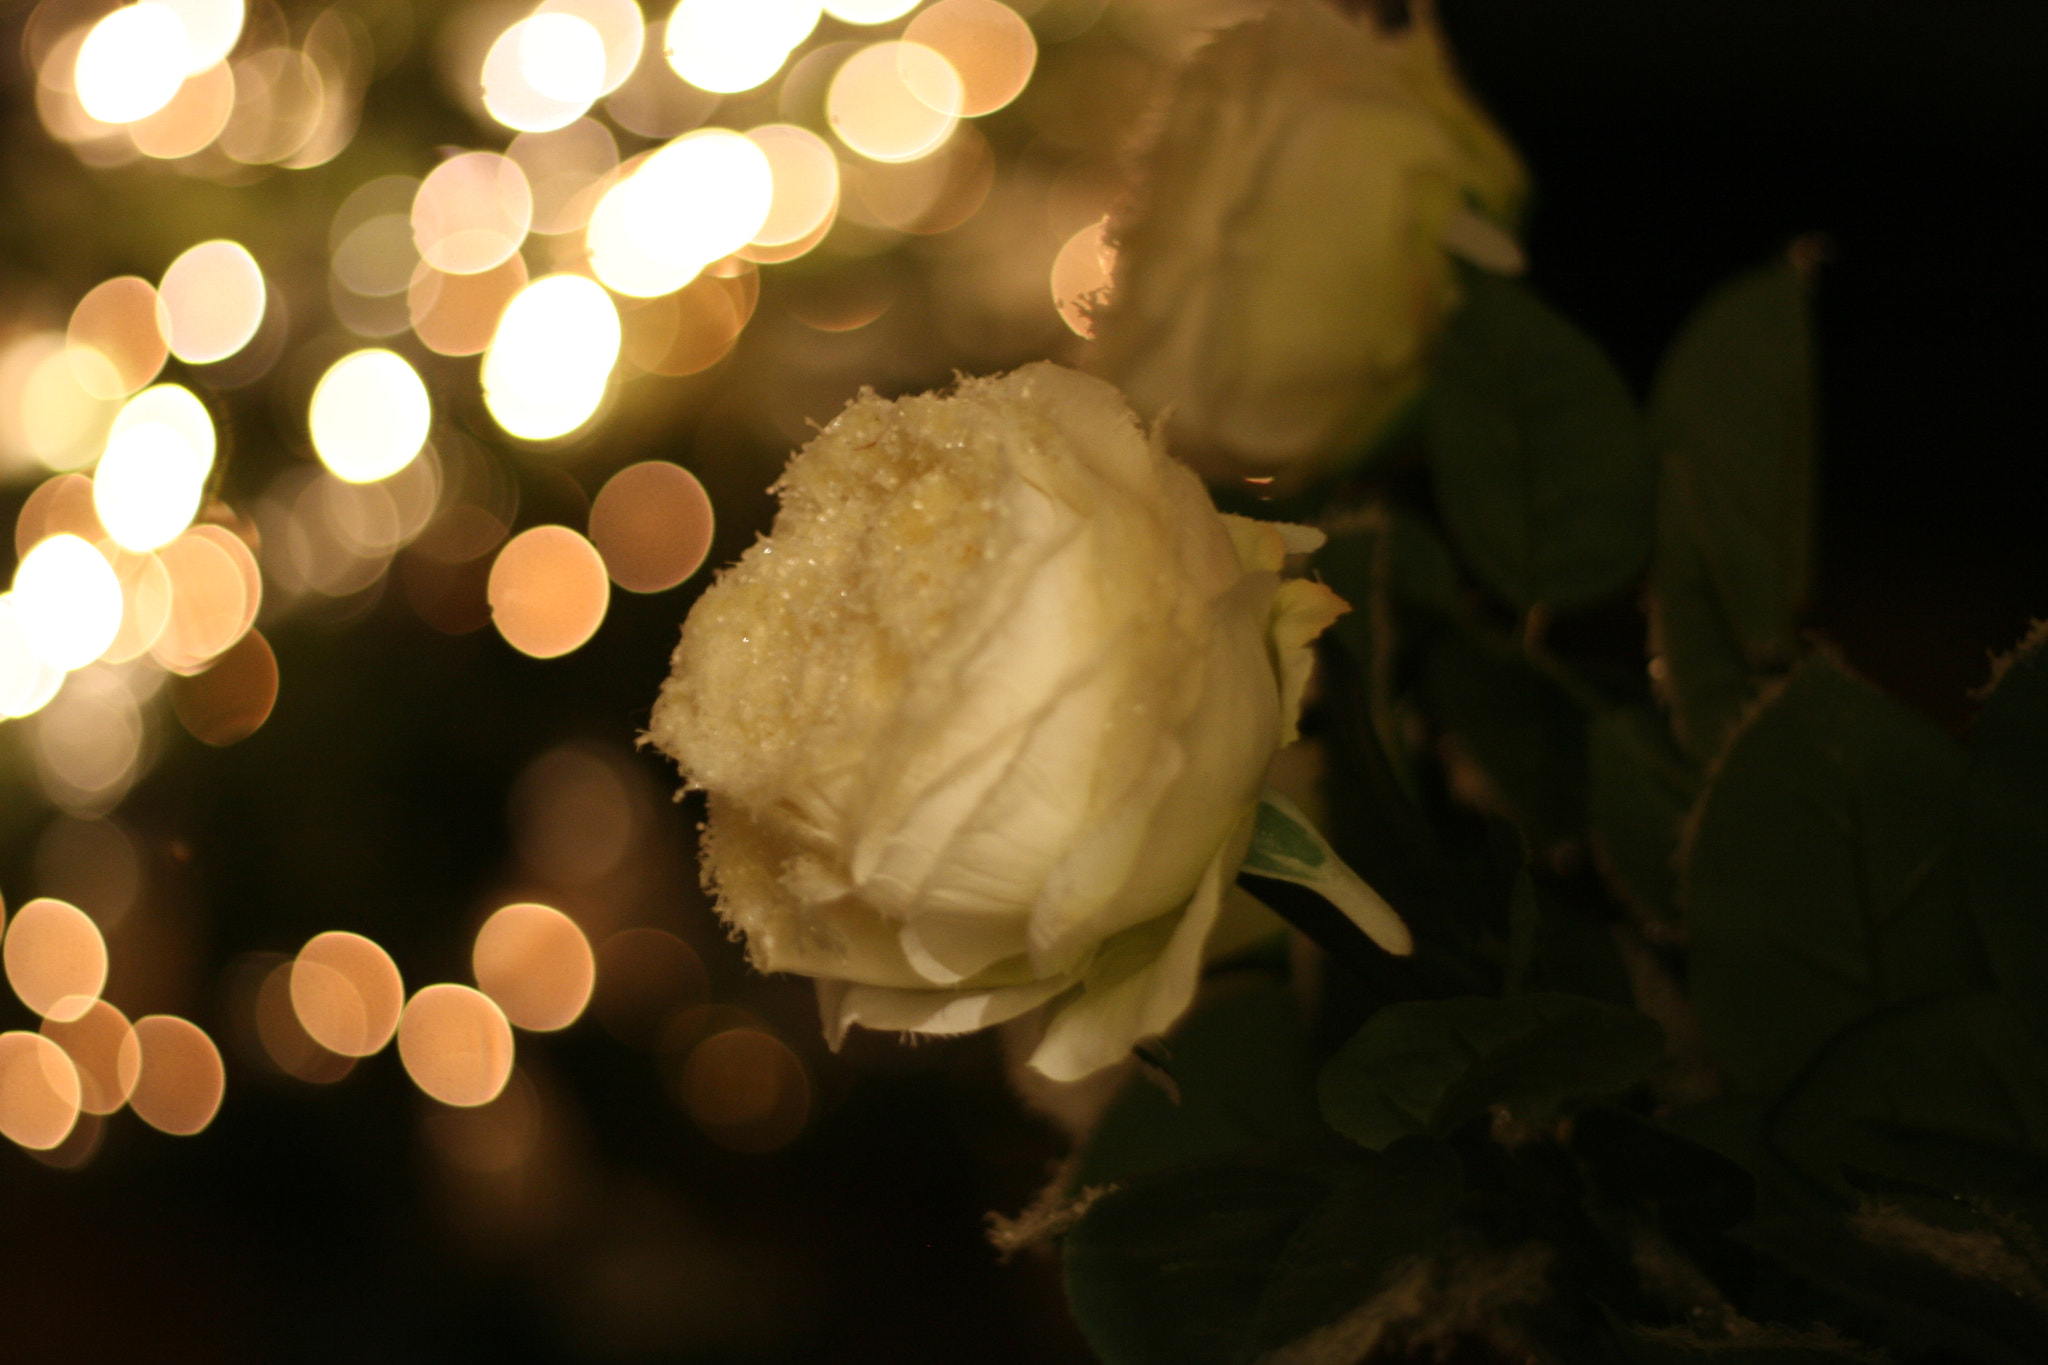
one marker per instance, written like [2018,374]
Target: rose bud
[1282,264]
[983,722]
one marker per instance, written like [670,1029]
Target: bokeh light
[563,168]
[369,415]
[701,197]
[548,591]
[573,816]
[94,864]
[214,296]
[27,684]
[472,211]
[746,1090]
[234,696]
[727,46]
[149,484]
[211,28]
[88,742]
[544,72]
[645,975]
[988,45]
[691,329]
[655,102]
[458,314]
[58,506]
[132,62]
[179,1080]
[39,1091]
[456,1045]
[536,964]
[652,523]
[122,323]
[47,414]
[621,28]
[94,1042]
[67,602]
[283,1040]
[869,12]
[145,602]
[894,101]
[209,602]
[55,958]
[551,357]
[193,118]
[347,993]
[1081,276]
[805,178]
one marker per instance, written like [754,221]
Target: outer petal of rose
[842,1004]
[1119,1005]
[1302,610]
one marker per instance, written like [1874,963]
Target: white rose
[984,721]
[1281,270]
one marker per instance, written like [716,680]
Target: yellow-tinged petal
[1302,610]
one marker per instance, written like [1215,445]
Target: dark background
[1671,144]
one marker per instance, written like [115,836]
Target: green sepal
[1286,847]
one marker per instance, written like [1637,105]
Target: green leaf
[1697,663]
[1427,1066]
[1817,881]
[1731,417]
[1523,728]
[1287,847]
[1220,1266]
[1540,463]
[1950,1093]
[2005,826]
[1242,1066]
[1639,789]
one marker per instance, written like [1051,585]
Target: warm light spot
[644,976]
[93,864]
[88,742]
[67,602]
[369,415]
[192,120]
[548,591]
[179,1080]
[573,816]
[238,550]
[458,314]
[1081,276]
[543,72]
[56,960]
[456,1045]
[562,168]
[805,176]
[176,407]
[691,329]
[233,697]
[93,1041]
[280,104]
[536,964]
[214,295]
[493,1138]
[932,194]
[746,1090]
[39,1091]
[122,324]
[700,198]
[209,603]
[59,506]
[472,211]
[894,101]
[732,45]
[148,485]
[551,357]
[986,42]
[145,602]
[347,993]
[620,26]
[285,1040]
[211,27]
[26,683]
[652,522]
[132,62]
[869,11]
[46,414]
[655,102]
[377,257]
